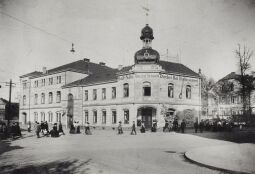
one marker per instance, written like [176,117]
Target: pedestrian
[120,130]
[133,129]
[54,132]
[201,126]
[38,129]
[175,124]
[154,126]
[196,126]
[46,126]
[142,128]
[87,129]
[60,128]
[29,127]
[183,125]
[166,126]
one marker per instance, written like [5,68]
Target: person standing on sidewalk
[201,126]
[196,126]
[60,128]
[133,129]
[120,131]
[183,125]
[38,129]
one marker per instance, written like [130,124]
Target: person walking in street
[183,125]
[201,126]
[120,130]
[133,129]
[38,129]
[196,126]
[142,128]
[60,128]
[175,124]
[29,127]
[166,126]
[87,129]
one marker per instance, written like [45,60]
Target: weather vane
[147,10]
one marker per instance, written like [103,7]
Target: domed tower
[147,55]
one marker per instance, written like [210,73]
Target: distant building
[228,100]
[149,90]
[14,111]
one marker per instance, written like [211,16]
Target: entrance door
[24,118]
[147,117]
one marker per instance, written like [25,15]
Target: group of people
[174,126]
[13,130]
[44,129]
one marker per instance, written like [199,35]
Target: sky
[198,33]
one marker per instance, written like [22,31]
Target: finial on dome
[147,33]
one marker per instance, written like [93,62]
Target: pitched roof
[169,67]
[112,75]
[32,74]
[178,68]
[81,66]
[231,75]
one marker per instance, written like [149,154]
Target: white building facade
[148,91]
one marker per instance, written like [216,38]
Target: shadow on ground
[55,167]
[5,146]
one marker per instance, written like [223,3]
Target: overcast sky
[203,33]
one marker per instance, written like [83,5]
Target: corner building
[150,90]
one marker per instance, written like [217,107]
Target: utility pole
[10,99]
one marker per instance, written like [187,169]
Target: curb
[213,167]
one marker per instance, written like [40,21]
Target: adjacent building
[5,113]
[149,90]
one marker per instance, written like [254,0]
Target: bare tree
[246,81]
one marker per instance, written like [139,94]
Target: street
[104,152]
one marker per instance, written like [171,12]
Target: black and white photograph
[127,86]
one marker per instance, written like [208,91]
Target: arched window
[188,92]
[94,116]
[171,90]
[58,96]
[126,90]
[50,117]
[35,116]
[146,89]
[58,117]
[36,99]
[42,116]
[42,98]
[24,100]
[50,97]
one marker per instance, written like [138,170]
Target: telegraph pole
[10,99]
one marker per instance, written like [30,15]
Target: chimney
[86,60]
[102,63]
[120,67]
[44,70]
[199,71]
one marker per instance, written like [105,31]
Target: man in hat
[133,129]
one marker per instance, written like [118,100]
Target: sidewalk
[236,158]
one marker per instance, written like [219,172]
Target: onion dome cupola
[147,55]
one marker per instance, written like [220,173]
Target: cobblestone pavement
[104,152]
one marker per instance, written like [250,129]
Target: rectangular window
[94,94]
[36,99]
[50,117]
[104,117]
[24,83]
[43,82]
[58,79]
[126,117]
[114,117]
[58,97]
[113,92]
[170,90]
[51,81]
[103,93]
[94,116]
[58,117]
[36,83]
[86,95]
[86,116]
[126,90]
[36,116]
